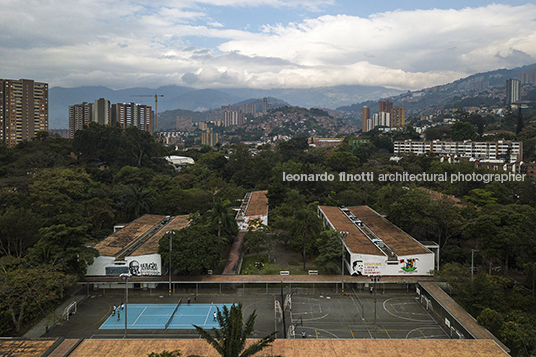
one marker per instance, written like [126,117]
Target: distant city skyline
[263,44]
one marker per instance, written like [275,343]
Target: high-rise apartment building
[209,138]
[233,118]
[23,110]
[528,76]
[385,106]
[132,114]
[398,117]
[102,112]
[365,117]
[80,115]
[513,91]
[381,119]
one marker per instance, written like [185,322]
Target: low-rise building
[374,246]
[508,151]
[134,248]
[253,211]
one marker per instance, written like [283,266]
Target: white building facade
[373,246]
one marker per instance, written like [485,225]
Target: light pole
[472,262]
[170,234]
[124,277]
[343,235]
[375,279]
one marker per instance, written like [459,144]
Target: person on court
[215,315]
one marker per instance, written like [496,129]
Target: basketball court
[354,316]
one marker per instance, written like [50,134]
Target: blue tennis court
[157,316]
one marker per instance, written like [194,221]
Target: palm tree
[222,216]
[230,339]
[137,201]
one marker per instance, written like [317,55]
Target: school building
[253,210]
[373,246]
[133,249]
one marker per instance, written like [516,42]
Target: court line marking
[318,329]
[401,317]
[420,330]
[208,314]
[139,315]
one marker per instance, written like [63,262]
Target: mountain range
[347,98]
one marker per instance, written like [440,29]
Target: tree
[421,222]
[194,249]
[342,161]
[239,168]
[530,275]
[255,239]
[304,228]
[230,339]
[139,144]
[129,175]
[480,197]
[507,232]
[99,141]
[63,247]
[26,291]
[519,333]
[294,200]
[491,320]
[18,231]
[57,195]
[136,201]
[520,125]
[462,131]
[222,217]
[329,246]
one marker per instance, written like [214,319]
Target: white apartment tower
[513,91]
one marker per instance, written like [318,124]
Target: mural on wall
[409,265]
[357,268]
[136,268]
[254,223]
[372,268]
[251,223]
[360,267]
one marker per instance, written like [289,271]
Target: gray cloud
[126,43]
[516,58]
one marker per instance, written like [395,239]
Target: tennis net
[173,313]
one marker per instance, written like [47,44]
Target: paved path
[48,322]
[235,256]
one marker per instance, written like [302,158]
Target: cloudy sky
[262,43]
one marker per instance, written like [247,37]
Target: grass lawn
[258,265]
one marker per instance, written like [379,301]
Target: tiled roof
[258,204]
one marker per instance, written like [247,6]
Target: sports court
[164,316]
[320,313]
[365,316]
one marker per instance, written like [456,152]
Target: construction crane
[155,107]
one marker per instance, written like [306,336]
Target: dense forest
[58,197]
